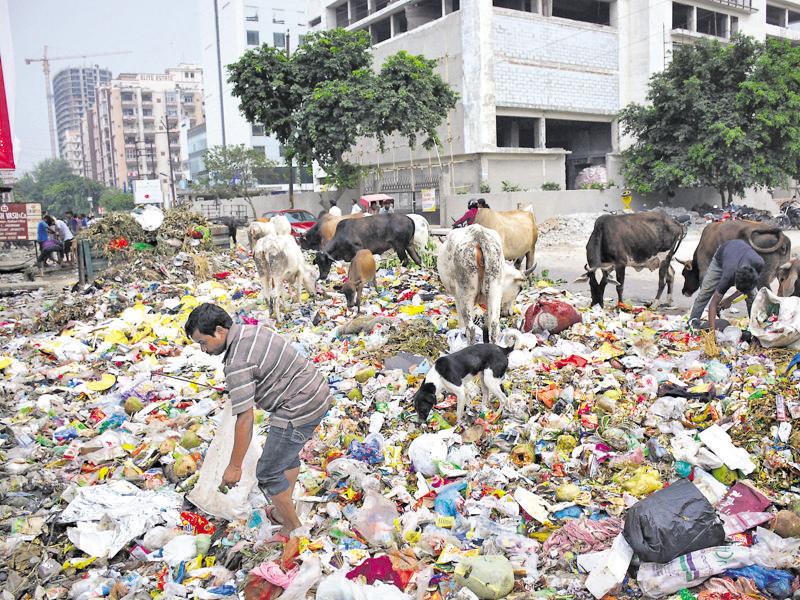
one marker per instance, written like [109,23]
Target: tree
[114,200]
[325,97]
[52,183]
[237,168]
[695,132]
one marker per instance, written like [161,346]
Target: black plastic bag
[672,522]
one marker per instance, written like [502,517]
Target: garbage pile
[629,462]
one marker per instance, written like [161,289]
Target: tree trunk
[730,196]
[250,203]
[721,192]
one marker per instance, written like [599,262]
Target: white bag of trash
[781,333]
[425,451]
[338,587]
[206,494]
[489,577]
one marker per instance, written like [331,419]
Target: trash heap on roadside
[635,458]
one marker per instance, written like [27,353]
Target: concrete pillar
[478,97]
[541,137]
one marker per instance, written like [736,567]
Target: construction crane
[48,85]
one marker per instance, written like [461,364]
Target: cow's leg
[670,278]
[530,256]
[662,280]
[464,311]
[359,289]
[620,269]
[412,251]
[401,254]
[493,301]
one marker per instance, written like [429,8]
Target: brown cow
[518,232]
[789,278]
[323,230]
[362,270]
[770,243]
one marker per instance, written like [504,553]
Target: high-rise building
[230,28]
[135,127]
[540,81]
[73,95]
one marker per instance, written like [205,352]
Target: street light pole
[169,147]
[290,160]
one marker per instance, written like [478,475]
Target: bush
[484,187]
[595,185]
[551,186]
[510,187]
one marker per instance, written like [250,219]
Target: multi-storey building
[230,28]
[540,81]
[72,150]
[135,129]
[73,95]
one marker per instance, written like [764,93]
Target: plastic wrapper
[375,519]
[488,577]
[338,587]
[671,522]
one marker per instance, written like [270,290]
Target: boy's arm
[241,385]
[243,432]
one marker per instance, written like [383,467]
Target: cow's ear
[783,270]
[582,279]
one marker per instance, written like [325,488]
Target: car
[300,220]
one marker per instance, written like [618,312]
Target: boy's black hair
[745,279]
[205,319]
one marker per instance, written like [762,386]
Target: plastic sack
[489,577]
[550,315]
[449,499]
[425,451]
[375,519]
[310,573]
[338,587]
[206,495]
[775,582]
[775,321]
[673,521]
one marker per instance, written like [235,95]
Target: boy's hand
[231,476]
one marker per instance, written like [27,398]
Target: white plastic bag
[310,573]
[375,519]
[783,333]
[338,587]
[206,495]
[425,451]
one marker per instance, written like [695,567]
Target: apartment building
[73,95]
[230,28]
[540,81]
[135,127]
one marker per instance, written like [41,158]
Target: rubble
[112,429]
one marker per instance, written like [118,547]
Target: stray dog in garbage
[451,373]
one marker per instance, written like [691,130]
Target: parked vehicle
[300,220]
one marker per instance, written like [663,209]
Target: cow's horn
[529,272]
[786,266]
[768,250]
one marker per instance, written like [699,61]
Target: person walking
[735,264]
[356,207]
[263,370]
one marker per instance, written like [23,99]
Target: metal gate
[405,185]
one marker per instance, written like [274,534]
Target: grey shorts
[281,453]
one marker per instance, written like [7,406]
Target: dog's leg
[486,395]
[461,396]
[495,388]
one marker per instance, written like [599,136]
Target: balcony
[745,5]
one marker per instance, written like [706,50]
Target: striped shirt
[262,369]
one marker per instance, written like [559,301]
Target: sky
[159,34]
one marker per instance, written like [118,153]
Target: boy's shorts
[281,453]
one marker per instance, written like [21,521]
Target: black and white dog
[451,373]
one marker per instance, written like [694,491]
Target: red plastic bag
[550,315]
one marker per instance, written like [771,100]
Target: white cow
[421,232]
[278,258]
[257,230]
[473,270]
[281,225]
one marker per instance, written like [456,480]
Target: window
[359,10]
[188,98]
[147,97]
[257,129]
[301,40]
[381,31]
[252,38]
[711,23]
[127,96]
[147,112]
[681,16]
[793,20]
[172,97]
[251,14]
[734,25]
[523,5]
[261,149]
[341,16]
[516,132]
[279,39]
[381,4]
[315,22]
[776,15]
[589,11]
[172,111]
[128,112]
[278,16]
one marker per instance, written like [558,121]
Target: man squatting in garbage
[262,369]
[735,263]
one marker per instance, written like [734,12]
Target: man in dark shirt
[262,369]
[735,263]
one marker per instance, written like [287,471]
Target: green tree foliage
[326,96]
[237,168]
[113,200]
[702,126]
[52,183]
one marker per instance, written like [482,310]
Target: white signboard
[147,191]
[429,200]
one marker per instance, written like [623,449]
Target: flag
[6,149]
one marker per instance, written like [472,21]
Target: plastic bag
[338,587]
[550,315]
[449,499]
[425,451]
[489,577]
[775,321]
[206,495]
[671,522]
[775,582]
[375,519]
[310,573]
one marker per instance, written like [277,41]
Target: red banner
[6,150]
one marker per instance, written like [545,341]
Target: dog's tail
[513,335]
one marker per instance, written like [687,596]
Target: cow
[775,248]
[278,258]
[646,240]
[517,229]
[361,271]
[377,234]
[323,230]
[232,223]
[472,269]
[258,229]
[789,278]
[421,232]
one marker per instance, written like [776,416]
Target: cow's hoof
[655,304]
[669,301]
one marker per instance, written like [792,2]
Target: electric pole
[289,159]
[169,144]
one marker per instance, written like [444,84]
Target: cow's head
[787,275]
[349,291]
[310,277]
[311,239]
[324,262]
[598,279]
[691,276]
[514,281]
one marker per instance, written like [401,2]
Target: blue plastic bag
[775,582]
[449,498]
